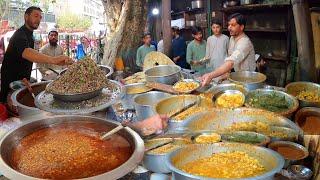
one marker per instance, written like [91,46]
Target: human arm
[224,68]
[152,125]
[34,56]
[139,58]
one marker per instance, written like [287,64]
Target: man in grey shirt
[241,55]
[51,49]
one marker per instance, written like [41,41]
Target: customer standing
[20,55]
[217,46]
[179,48]
[144,49]
[241,55]
[51,49]
[196,50]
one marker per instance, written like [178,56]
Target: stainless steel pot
[144,103]
[197,4]
[127,100]
[291,100]
[10,140]
[23,101]
[165,74]
[271,160]
[251,80]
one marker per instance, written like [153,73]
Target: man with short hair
[217,46]
[241,55]
[196,50]
[179,48]
[144,49]
[20,55]
[51,49]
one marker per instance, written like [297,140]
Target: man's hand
[62,60]
[154,125]
[205,79]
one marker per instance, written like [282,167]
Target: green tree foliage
[73,22]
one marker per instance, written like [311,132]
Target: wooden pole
[166,26]
[306,58]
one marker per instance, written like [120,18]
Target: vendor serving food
[241,55]
[20,55]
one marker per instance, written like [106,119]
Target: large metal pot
[291,100]
[11,139]
[106,69]
[144,103]
[197,4]
[24,102]
[295,88]
[251,80]
[221,118]
[127,100]
[272,161]
[165,74]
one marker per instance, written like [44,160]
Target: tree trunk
[126,21]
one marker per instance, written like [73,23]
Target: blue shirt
[179,49]
[80,52]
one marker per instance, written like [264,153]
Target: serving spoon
[27,84]
[106,135]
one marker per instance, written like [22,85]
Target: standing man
[144,49]
[179,48]
[241,55]
[217,46]
[20,55]
[51,49]
[196,50]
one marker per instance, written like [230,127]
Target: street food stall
[240,128]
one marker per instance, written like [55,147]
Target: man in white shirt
[240,53]
[51,49]
[217,46]
[160,44]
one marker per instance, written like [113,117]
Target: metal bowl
[144,103]
[106,69]
[75,97]
[271,160]
[295,88]
[170,104]
[303,113]
[205,133]
[155,162]
[231,86]
[228,92]
[220,118]
[229,137]
[187,80]
[165,74]
[249,79]
[291,100]
[291,144]
[128,100]
[290,134]
[11,139]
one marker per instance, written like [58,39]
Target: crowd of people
[224,54]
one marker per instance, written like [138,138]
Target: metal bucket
[251,80]
[144,103]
